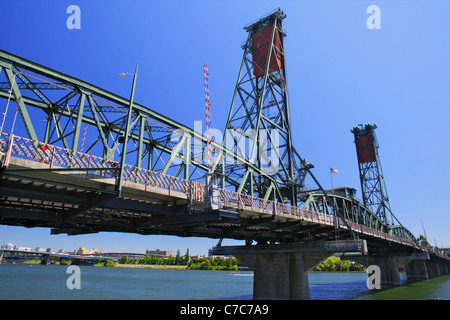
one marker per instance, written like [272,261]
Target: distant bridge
[45,256]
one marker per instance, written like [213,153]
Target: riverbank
[149,266]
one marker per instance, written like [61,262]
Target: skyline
[340,72]
[8,246]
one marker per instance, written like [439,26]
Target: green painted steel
[62,106]
[55,108]
[343,203]
[69,104]
[371,175]
[259,108]
[373,186]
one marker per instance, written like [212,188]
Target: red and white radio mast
[208,117]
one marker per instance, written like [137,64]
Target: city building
[83,251]
[158,253]
[8,246]
[24,249]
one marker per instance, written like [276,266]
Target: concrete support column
[281,275]
[45,259]
[433,269]
[416,269]
[281,270]
[1,256]
[444,269]
[390,274]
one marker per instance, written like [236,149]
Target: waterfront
[39,282]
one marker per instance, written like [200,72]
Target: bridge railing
[243,201]
[52,155]
[56,156]
[60,157]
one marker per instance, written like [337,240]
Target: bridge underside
[32,195]
[36,192]
[80,202]
[79,210]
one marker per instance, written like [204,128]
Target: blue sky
[340,74]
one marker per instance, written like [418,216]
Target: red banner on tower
[260,53]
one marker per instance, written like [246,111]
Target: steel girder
[350,208]
[58,109]
[353,211]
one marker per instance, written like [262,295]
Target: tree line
[195,263]
[332,263]
[336,264]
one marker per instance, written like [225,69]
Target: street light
[123,74]
[127,129]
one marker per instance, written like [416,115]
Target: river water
[39,282]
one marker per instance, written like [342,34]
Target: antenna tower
[208,117]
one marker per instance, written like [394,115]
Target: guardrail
[65,158]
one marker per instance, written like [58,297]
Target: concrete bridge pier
[281,271]
[45,259]
[415,265]
[432,268]
[1,256]
[388,264]
[416,270]
[443,268]
[281,275]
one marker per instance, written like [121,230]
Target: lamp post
[127,129]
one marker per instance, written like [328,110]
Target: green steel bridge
[102,162]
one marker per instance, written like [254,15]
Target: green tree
[123,260]
[186,257]
[205,264]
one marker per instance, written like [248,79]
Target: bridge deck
[75,193]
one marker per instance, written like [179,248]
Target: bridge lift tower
[259,113]
[373,187]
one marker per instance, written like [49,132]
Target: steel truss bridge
[45,185]
[65,173]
